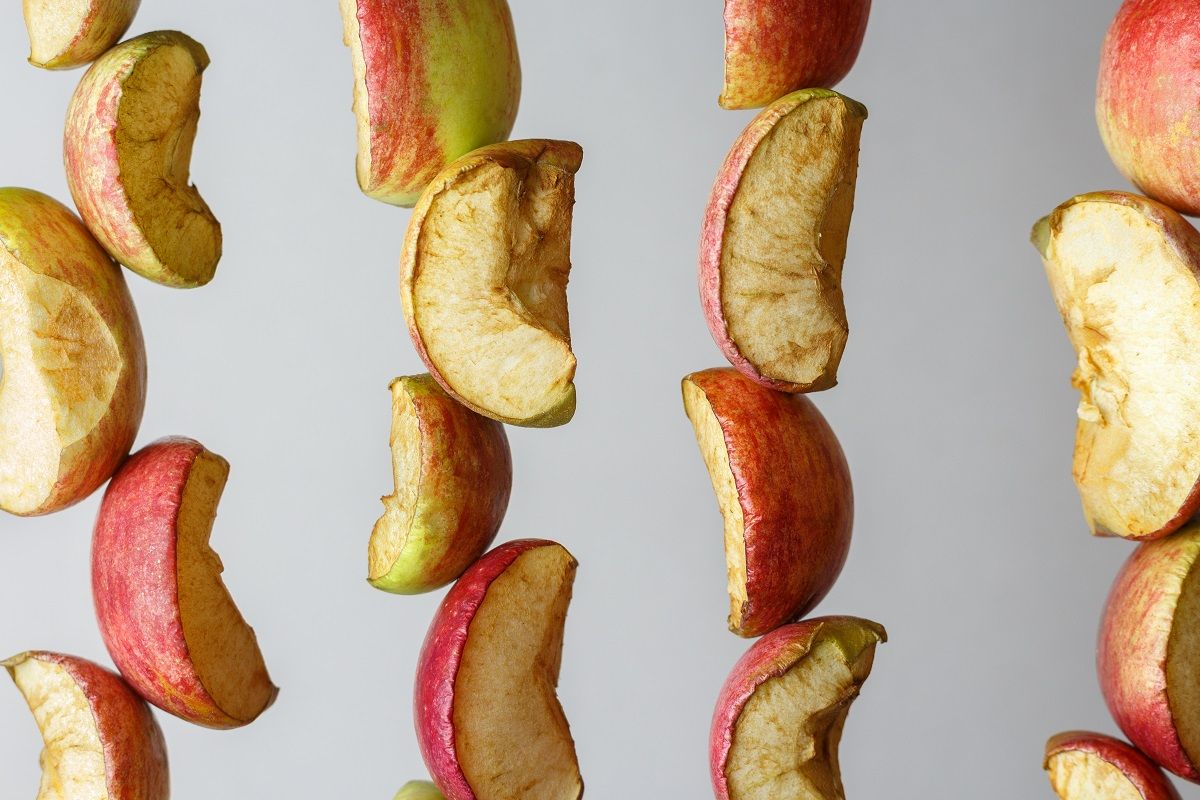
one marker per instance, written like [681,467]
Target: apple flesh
[779,718]
[453,474]
[1124,274]
[131,125]
[100,739]
[484,281]
[1091,766]
[488,721]
[1149,651]
[74,364]
[64,34]
[166,617]
[774,241]
[419,790]
[432,82]
[783,486]
[1146,99]
[773,47]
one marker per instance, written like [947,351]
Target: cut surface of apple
[774,241]
[488,718]
[1091,766]
[131,125]
[64,34]
[780,715]
[453,475]
[165,614]
[1123,270]
[99,739]
[484,280]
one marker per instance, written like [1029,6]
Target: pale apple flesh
[1123,271]
[419,790]
[484,282]
[1089,766]
[64,34]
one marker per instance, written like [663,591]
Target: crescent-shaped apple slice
[488,720]
[164,612]
[130,129]
[1091,766]
[484,280]
[100,740]
[64,34]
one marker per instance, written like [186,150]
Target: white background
[954,405]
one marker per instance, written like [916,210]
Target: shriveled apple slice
[774,241]
[784,490]
[64,34]
[1123,270]
[1091,766]
[131,125]
[779,718]
[73,383]
[419,790]
[484,280]
[453,474]
[164,612]
[100,740]
[488,721]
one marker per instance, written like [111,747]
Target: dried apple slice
[64,34]
[1091,766]
[484,280]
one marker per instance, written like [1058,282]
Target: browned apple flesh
[1079,775]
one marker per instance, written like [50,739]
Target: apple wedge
[64,34]
[774,241]
[1091,766]
[432,82]
[419,790]
[484,280]
[773,47]
[100,739]
[779,718]
[453,474]
[488,721]
[1149,651]
[73,382]
[783,487]
[166,617]
[1124,274]
[131,125]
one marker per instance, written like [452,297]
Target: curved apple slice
[453,475]
[64,34]
[779,718]
[1091,766]
[1124,273]
[419,790]
[774,241]
[784,490]
[484,280]
[100,739]
[74,364]
[166,617]
[488,721]
[128,147]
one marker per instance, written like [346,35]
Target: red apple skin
[1143,773]
[795,491]
[773,47]
[437,667]
[135,754]
[1148,96]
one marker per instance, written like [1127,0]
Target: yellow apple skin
[91,28]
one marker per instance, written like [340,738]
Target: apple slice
[128,146]
[100,739]
[1149,651]
[1091,766]
[165,615]
[432,82]
[773,47]
[64,34]
[1123,270]
[774,241]
[419,790]
[484,280]
[779,718]
[784,490]
[453,475]
[488,721]
[73,382]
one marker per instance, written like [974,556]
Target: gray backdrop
[954,405]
